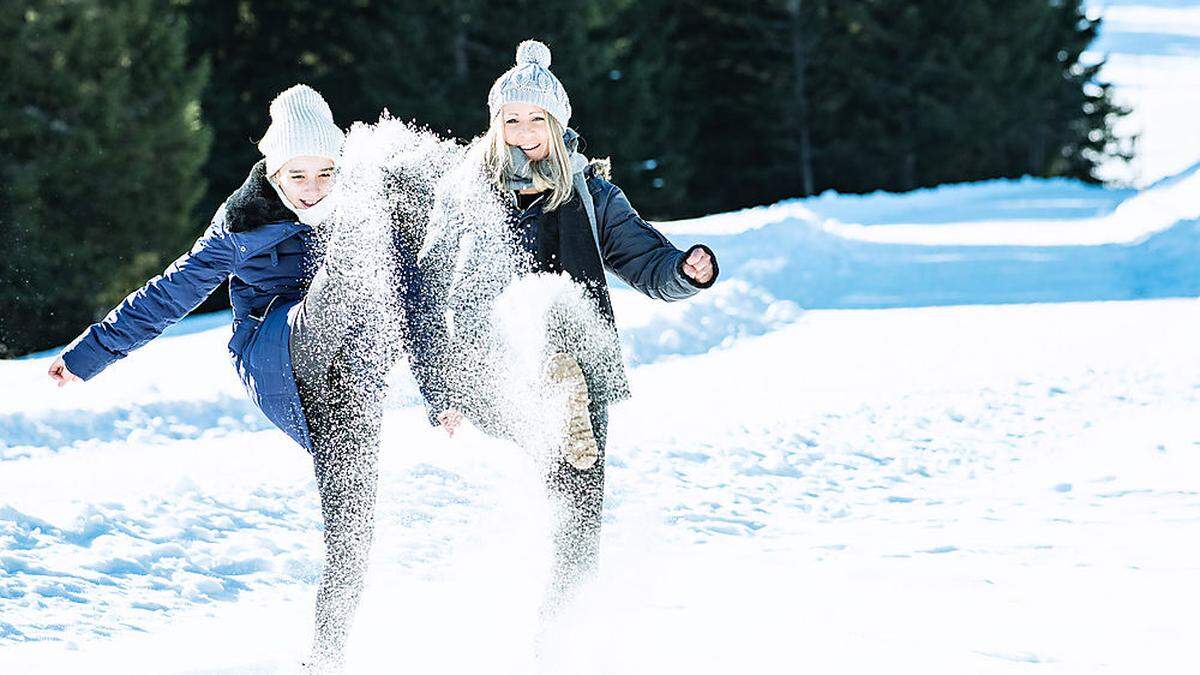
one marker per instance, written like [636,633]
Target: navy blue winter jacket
[267,255]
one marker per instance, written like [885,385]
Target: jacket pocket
[257,241]
[241,338]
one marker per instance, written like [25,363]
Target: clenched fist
[699,266]
[60,373]
[449,420]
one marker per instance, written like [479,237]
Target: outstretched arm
[148,311]
[437,262]
[643,257]
[424,338]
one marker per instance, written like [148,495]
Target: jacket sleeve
[148,311]
[639,254]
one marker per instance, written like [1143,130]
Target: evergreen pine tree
[641,120]
[101,142]
[924,93]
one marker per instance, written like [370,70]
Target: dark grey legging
[339,368]
[577,498]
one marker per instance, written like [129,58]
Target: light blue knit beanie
[301,124]
[530,81]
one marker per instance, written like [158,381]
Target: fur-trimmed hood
[599,168]
[255,203]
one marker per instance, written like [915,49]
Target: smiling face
[526,127]
[306,180]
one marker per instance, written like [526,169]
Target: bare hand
[450,420]
[699,266]
[60,373]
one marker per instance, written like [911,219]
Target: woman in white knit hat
[294,335]
[564,218]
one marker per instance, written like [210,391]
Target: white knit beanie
[301,125]
[530,81]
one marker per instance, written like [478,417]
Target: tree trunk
[801,44]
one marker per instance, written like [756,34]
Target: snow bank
[1152,48]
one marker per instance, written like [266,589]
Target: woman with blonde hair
[563,218]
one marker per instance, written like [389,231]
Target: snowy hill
[948,431]
[1152,49]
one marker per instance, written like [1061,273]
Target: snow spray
[502,323]
[487,326]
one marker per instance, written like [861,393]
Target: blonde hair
[552,173]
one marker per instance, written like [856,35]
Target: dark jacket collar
[255,203]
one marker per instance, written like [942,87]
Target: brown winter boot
[579,447]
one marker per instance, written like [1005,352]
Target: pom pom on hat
[532,51]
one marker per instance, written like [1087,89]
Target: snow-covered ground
[944,490]
[972,451]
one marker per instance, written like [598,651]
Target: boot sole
[580,449]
